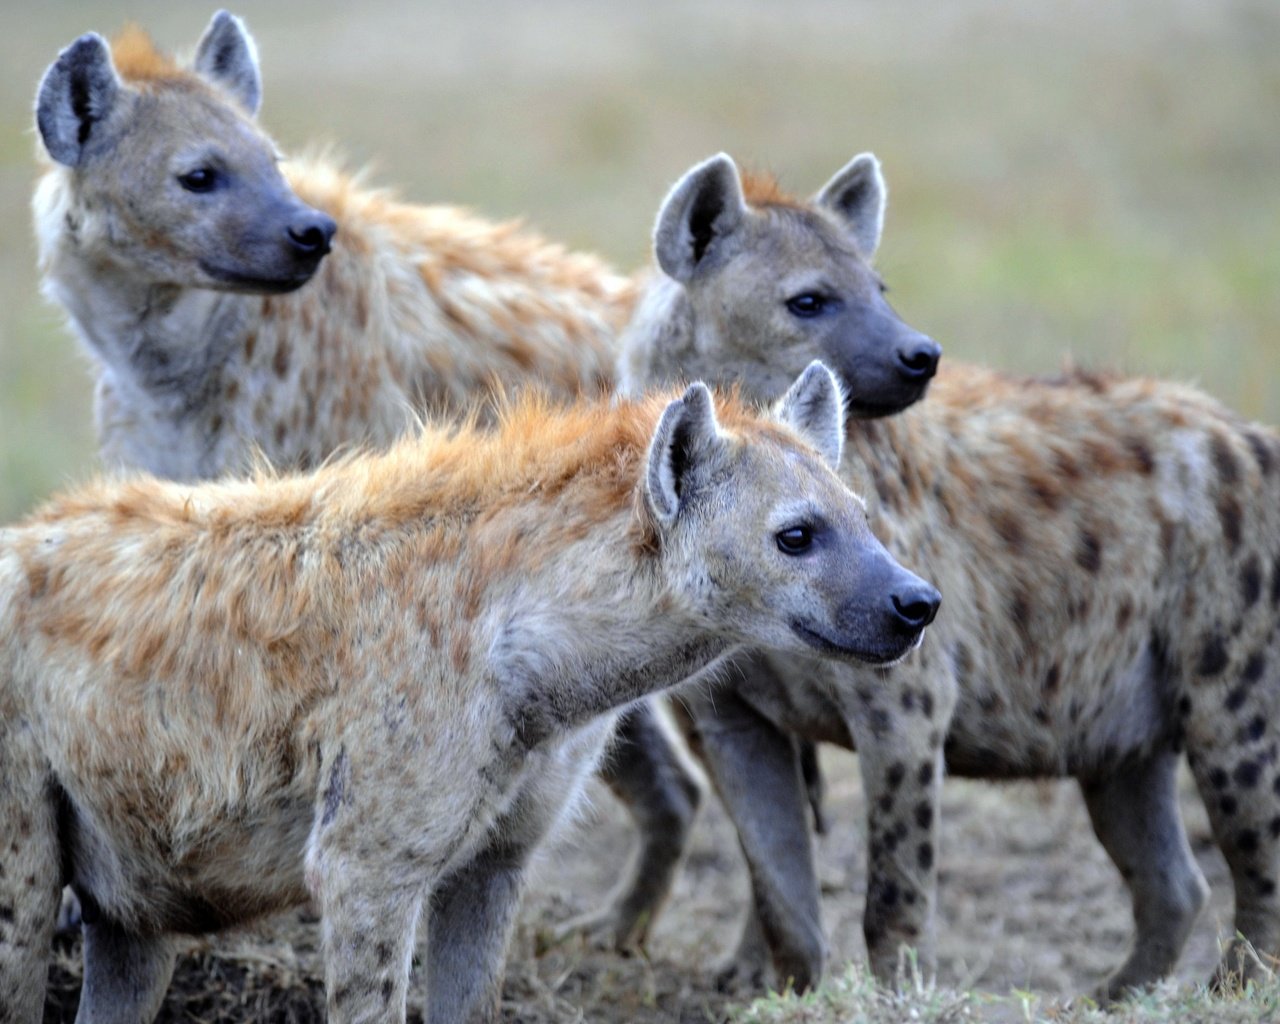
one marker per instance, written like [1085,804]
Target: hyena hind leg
[125,976]
[1233,757]
[652,781]
[30,879]
[1136,816]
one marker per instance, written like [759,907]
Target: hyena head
[761,535]
[168,176]
[775,283]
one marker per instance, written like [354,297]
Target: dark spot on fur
[1236,698]
[1041,715]
[336,792]
[924,855]
[250,343]
[1213,657]
[1089,551]
[383,952]
[280,361]
[1256,727]
[1274,827]
[1253,669]
[6,914]
[897,772]
[1009,527]
[1184,707]
[1218,778]
[1052,678]
[886,803]
[1247,774]
[1261,451]
[1229,516]
[388,987]
[1140,451]
[926,705]
[1020,612]
[889,894]
[1247,841]
[924,814]
[1266,887]
[1225,460]
[1228,805]
[908,699]
[879,721]
[1251,581]
[924,774]
[1124,614]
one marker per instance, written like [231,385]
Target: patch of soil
[1028,900]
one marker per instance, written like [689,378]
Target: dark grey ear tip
[696,395]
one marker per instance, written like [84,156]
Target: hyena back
[1111,557]
[373,684]
[168,234]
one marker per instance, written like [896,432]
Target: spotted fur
[1110,553]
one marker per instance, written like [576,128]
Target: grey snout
[310,233]
[918,358]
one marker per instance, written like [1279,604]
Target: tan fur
[396,671]
[417,308]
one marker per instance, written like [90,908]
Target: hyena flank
[379,683]
[168,232]
[1110,552]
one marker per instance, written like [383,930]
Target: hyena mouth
[883,654]
[233,280]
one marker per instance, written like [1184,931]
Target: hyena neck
[609,651]
[659,340]
[165,340]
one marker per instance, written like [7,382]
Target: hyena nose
[915,606]
[310,235]
[918,361]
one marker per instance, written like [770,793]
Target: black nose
[310,235]
[916,606]
[919,360]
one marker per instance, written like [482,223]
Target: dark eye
[795,540]
[884,288]
[202,179]
[807,304]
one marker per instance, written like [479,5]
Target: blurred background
[1096,181]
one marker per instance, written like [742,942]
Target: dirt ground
[1028,901]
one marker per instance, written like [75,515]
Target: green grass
[854,998]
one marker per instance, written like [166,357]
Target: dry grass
[1067,179]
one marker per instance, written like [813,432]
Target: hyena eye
[806,304]
[202,179]
[795,540]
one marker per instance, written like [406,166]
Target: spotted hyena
[168,232]
[1110,552]
[372,685]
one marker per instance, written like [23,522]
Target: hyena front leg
[125,976]
[1136,816]
[470,925]
[368,920]
[30,875]
[898,733]
[649,777]
[756,771]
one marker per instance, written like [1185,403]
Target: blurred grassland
[1085,180]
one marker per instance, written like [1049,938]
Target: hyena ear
[75,96]
[814,408]
[228,57]
[686,437]
[857,196]
[700,212]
